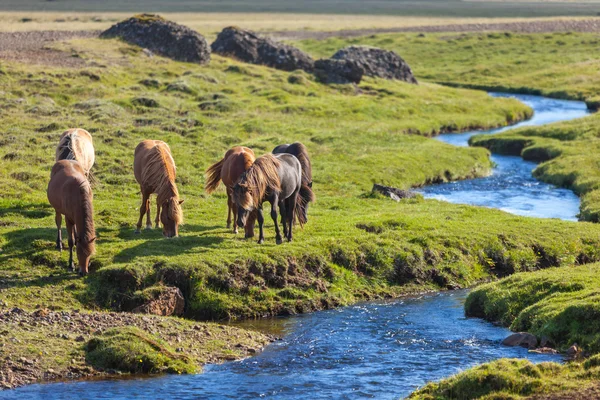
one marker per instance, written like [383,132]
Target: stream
[382,349]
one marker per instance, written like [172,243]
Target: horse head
[244,201]
[171,217]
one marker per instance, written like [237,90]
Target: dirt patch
[61,335]
[591,392]
[32,47]
[587,25]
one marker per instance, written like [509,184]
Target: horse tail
[213,176]
[305,196]
[302,156]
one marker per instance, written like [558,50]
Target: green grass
[562,65]
[559,303]
[513,379]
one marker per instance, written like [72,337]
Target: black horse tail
[305,196]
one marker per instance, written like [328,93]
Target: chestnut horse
[154,170]
[237,160]
[76,144]
[301,153]
[70,194]
[276,179]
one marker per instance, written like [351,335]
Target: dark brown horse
[76,144]
[276,179]
[154,170]
[301,153]
[70,194]
[237,160]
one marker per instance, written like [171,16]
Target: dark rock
[377,62]
[393,193]
[338,71]
[145,102]
[152,83]
[169,301]
[162,37]
[522,339]
[248,47]
[574,351]
[80,339]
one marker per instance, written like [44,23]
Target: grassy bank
[567,155]
[560,304]
[561,65]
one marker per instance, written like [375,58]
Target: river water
[380,350]
[511,187]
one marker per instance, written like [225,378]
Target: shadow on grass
[155,244]
[30,210]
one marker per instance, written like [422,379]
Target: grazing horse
[301,153]
[276,179]
[76,144]
[154,170]
[70,194]
[237,160]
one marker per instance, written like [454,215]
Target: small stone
[80,339]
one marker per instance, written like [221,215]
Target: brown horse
[301,153]
[154,170]
[70,194]
[278,180]
[237,160]
[76,144]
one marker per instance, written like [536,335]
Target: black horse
[301,153]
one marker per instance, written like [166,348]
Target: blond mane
[258,179]
[159,173]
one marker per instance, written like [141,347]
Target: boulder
[377,62]
[248,47]
[522,339]
[574,351]
[393,193]
[169,301]
[338,71]
[162,37]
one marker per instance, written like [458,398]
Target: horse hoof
[261,241]
[278,241]
[148,227]
[229,225]
[137,232]
[248,236]
[59,247]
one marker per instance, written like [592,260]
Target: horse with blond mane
[76,144]
[278,180]
[154,170]
[70,194]
[228,170]
[301,153]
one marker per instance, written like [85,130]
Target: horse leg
[235,215]
[283,210]
[58,220]
[292,209]
[71,235]
[230,208]
[249,228]
[274,216]
[261,220]
[143,208]
[157,215]
[148,220]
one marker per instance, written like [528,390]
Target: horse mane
[64,150]
[86,241]
[261,176]
[160,173]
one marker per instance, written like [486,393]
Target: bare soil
[588,393]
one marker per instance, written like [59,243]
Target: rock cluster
[393,193]
[162,37]
[338,71]
[246,46]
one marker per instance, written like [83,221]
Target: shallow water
[511,187]
[381,350]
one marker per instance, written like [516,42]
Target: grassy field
[560,304]
[438,8]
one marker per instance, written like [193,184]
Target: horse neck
[166,191]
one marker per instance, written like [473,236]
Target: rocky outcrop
[377,62]
[338,71]
[522,339]
[169,301]
[393,193]
[162,37]
[248,47]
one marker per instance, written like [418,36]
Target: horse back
[150,155]
[77,144]
[290,174]
[237,161]
[67,183]
[300,151]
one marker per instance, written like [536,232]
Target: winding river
[381,350]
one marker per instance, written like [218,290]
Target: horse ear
[93,239]
[180,201]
